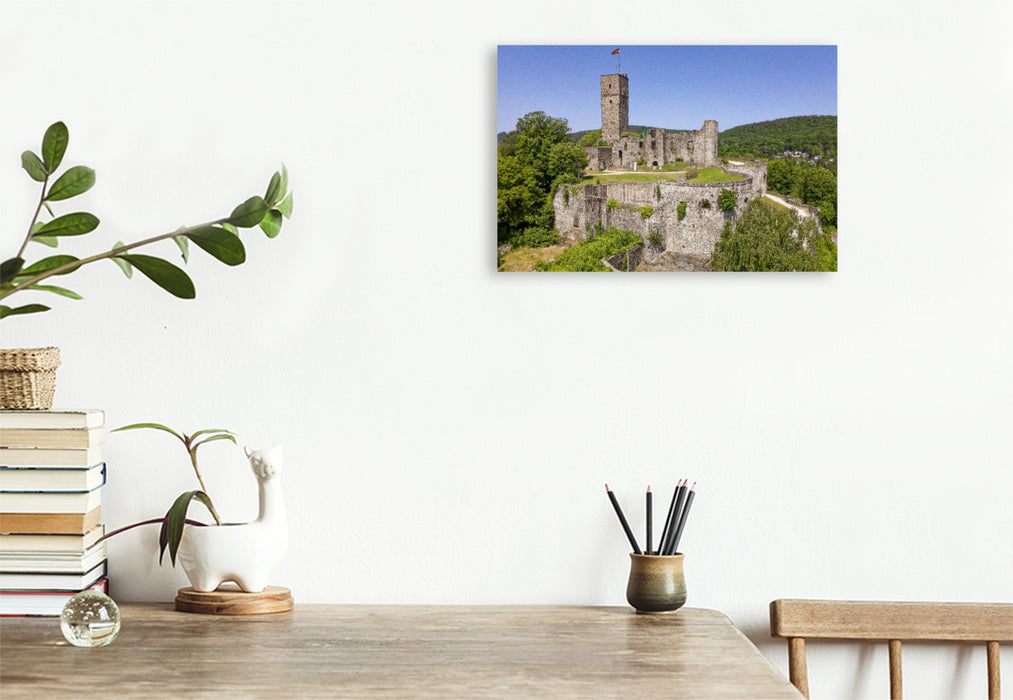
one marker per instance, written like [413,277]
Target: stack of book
[51,478]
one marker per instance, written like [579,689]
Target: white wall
[448,429]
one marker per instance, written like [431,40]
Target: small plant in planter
[175,517]
[245,553]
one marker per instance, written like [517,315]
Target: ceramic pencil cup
[656,584]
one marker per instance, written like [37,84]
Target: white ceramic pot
[245,553]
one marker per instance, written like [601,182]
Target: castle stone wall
[583,208]
[598,157]
[625,260]
[755,169]
[697,233]
[658,148]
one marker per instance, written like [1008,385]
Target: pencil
[622,520]
[683,517]
[650,517]
[669,547]
[668,520]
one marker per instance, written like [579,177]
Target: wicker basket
[28,377]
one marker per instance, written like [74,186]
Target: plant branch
[143,522]
[193,461]
[108,254]
[31,226]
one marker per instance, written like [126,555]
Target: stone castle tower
[615,106]
[653,148]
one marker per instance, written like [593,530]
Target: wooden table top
[394,651]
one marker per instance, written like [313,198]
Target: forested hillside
[815,135]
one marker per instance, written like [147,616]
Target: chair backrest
[891,622]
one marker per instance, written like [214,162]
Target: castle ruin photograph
[636,191]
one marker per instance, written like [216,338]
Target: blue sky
[675,87]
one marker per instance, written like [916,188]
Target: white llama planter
[245,553]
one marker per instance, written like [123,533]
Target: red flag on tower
[615,52]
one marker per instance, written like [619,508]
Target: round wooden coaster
[230,599]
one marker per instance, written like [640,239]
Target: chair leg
[797,673]
[994,690]
[896,673]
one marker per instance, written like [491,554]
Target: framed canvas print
[667,158]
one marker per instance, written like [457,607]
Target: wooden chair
[799,620]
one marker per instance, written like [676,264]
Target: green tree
[532,162]
[727,199]
[537,133]
[780,176]
[566,161]
[767,238]
[818,185]
[517,197]
[828,213]
[591,138]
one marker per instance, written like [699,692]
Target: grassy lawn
[704,175]
[524,259]
[715,174]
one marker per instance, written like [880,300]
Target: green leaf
[271,224]
[51,241]
[164,274]
[153,426]
[69,225]
[220,244]
[184,247]
[33,166]
[54,145]
[286,206]
[211,430]
[249,213]
[6,311]
[284,180]
[9,269]
[274,191]
[62,291]
[175,519]
[127,268]
[212,439]
[47,264]
[230,228]
[75,181]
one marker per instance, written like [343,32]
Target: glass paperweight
[90,619]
